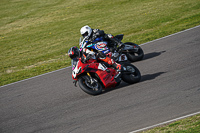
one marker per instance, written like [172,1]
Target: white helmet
[86,31]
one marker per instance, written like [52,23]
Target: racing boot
[117,66]
[111,62]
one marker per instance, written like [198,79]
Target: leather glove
[84,59]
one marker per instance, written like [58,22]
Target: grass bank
[35,35]
[187,125]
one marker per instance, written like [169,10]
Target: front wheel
[91,87]
[137,54]
[132,75]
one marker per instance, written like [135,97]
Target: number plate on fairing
[123,57]
[102,67]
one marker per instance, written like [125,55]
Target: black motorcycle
[129,52]
[132,51]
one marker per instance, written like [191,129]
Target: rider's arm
[98,32]
[87,54]
[87,51]
[115,40]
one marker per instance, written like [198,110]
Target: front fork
[91,79]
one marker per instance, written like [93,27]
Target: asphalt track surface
[170,88]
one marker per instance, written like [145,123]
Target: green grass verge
[35,35]
[187,125]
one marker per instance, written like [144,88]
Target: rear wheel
[138,53]
[133,77]
[91,87]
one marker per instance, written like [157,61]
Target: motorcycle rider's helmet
[86,31]
[74,52]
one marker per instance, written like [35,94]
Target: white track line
[166,122]
[34,77]
[70,66]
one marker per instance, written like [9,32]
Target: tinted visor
[85,34]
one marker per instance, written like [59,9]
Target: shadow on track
[122,84]
[152,55]
[143,79]
[151,76]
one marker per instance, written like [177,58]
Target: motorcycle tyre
[131,56]
[129,78]
[88,90]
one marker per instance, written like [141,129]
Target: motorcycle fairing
[131,47]
[76,71]
[128,47]
[119,37]
[99,39]
[107,78]
[102,67]
[99,46]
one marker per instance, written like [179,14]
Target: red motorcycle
[93,77]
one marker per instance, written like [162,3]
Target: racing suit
[89,53]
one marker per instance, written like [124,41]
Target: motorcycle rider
[90,36]
[74,53]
